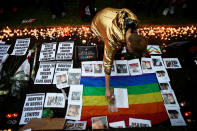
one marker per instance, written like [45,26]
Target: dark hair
[138,44]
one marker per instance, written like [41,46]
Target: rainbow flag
[144,96]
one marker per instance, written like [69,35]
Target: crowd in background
[59,8]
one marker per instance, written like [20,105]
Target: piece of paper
[113,69]
[153,49]
[73,111]
[133,122]
[61,80]
[118,124]
[134,67]
[147,65]
[75,94]
[98,68]
[157,62]
[3,51]
[164,86]
[21,47]
[162,75]
[74,76]
[74,102]
[99,122]
[47,52]
[62,67]
[87,68]
[171,63]
[54,100]
[33,107]
[121,68]
[65,50]
[121,97]
[75,125]
[175,116]
[45,73]
[169,99]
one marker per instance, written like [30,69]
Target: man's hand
[107,93]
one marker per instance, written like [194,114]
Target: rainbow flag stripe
[145,100]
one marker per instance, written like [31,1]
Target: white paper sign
[61,80]
[169,99]
[147,65]
[121,68]
[118,124]
[99,122]
[175,116]
[33,107]
[62,67]
[113,69]
[74,76]
[87,68]
[74,102]
[47,52]
[3,51]
[162,75]
[164,86]
[73,111]
[21,47]
[121,97]
[134,67]
[98,68]
[75,125]
[157,62]
[172,63]
[133,122]
[75,94]
[65,50]
[54,100]
[45,73]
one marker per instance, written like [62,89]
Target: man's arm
[108,59]
[107,86]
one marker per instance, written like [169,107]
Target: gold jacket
[108,24]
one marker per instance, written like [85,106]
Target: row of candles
[164,33]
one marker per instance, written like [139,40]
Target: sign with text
[47,52]
[3,50]
[33,107]
[21,47]
[45,73]
[87,52]
[65,50]
[62,67]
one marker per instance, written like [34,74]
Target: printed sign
[21,47]
[47,51]
[33,107]
[45,73]
[65,50]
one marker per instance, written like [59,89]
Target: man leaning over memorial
[117,28]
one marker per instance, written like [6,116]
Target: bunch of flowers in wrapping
[21,77]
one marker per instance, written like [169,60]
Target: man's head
[135,44]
